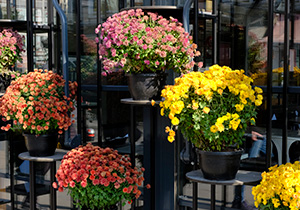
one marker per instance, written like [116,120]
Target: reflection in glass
[205,5]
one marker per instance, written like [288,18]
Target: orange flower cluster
[37,104]
[88,171]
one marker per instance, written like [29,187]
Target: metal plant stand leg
[48,159]
[52,190]
[213,197]
[32,186]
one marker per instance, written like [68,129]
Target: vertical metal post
[83,121]
[195,195]
[219,30]
[232,32]
[52,190]
[213,197]
[224,195]
[32,186]
[269,82]
[78,65]
[196,11]
[246,45]
[132,134]
[131,3]
[50,36]
[149,154]
[204,47]
[121,4]
[292,19]
[11,171]
[99,83]
[214,31]
[65,57]
[132,140]
[195,184]
[152,119]
[8,11]
[29,35]
[286,78]
[58,44]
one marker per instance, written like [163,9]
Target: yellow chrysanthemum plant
[279,188]
[212,108]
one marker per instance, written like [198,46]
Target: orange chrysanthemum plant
[98,178]
[36,103]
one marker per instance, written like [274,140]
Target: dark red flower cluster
[95,169]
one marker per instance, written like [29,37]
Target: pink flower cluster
[91,168]
[139,42]
[11,46]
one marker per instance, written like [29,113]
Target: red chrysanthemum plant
[36,103]
[98,178]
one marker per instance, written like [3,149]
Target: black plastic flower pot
[146,86]
[41,145]
[219,165]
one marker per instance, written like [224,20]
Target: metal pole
[65,59]
[52,190]
[131,3]
[219,29]
[8,12]
[99,82]
[224,196]
[78,65]
[32,186]
[213,197]
[286,79]
[186,15]
[50,36]
[12,171]
[269,83]
[29,36]
[132,140]
[214,31]
[196,11]
[195,195]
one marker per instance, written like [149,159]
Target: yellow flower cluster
[278,70]
[259,75]
[214,101]
[280,187]
[233,119]
[296,71]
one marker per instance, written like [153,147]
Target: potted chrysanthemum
[279,188]
[11,47]
[98,178]
[139,42]
[36,104]
[212,109]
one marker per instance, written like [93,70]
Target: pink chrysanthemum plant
[140,42]
[11,47]
[36,103]
[98,178]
